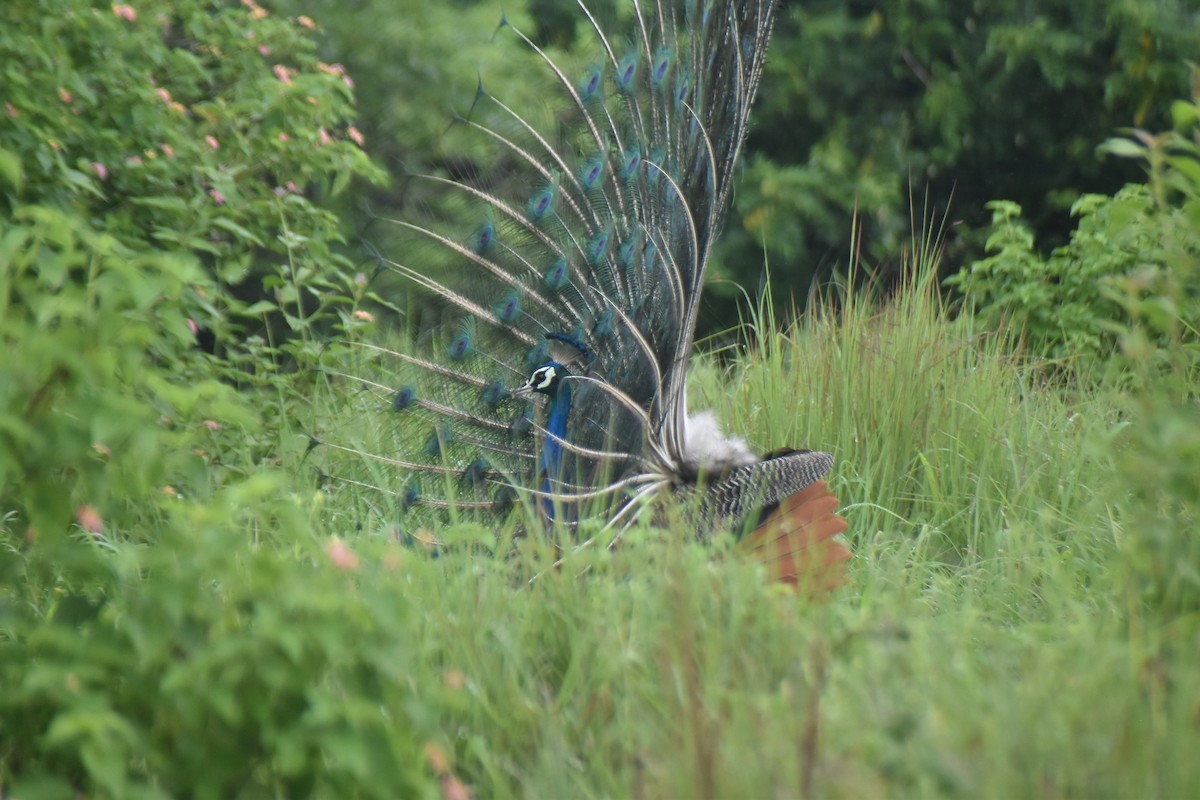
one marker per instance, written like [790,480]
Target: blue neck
[556,424]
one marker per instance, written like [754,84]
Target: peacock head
[544,380]
[559,350]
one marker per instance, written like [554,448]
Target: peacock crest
[550,307]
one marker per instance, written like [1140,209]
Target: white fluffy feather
[706,449]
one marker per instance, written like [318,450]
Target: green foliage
[158,167]
[1160,346]
[1121,303]
[1064,304]
[195,127]
[861,104]
[410,80]
[1129,270]
[1159,501]
[1162,295]
[99,369]
[148,649]
[204,667]
[152,645]
[229,653]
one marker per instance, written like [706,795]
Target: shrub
[1160,345]
[202,667]
[1063,304]
[168,626]
[863,103]
[192,126]
[102,395]
[1123,297]
[1129,271]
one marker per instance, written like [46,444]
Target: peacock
[551,303]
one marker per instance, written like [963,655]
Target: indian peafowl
[565,286]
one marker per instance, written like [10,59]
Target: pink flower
[193,327]
[134,161]
[292,187]
[11,110]
[283,137]
[323,137]
[436,757]
[355,135]
[89,519]
[341,555]
[100,170]
[283,73]
[163,94]
[306,22]
[346,79]
[220,198]
[212,142]
[256,11]
[263,50]
[125,12]
[168,151]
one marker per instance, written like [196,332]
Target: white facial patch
[544,377]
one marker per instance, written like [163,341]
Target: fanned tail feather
[581,224]
[796,541]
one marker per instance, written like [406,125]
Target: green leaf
[10,169]
[166,203]
[1122,148]
[237,230]
[1185,115]
[261,307]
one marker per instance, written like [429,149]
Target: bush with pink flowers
[165,172]
[200,128]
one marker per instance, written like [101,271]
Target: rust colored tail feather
[796,541]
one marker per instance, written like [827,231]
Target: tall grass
[1020,619]
[984,647]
